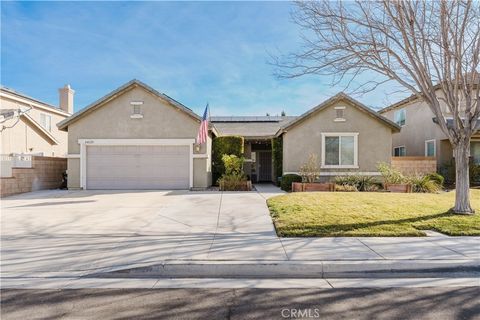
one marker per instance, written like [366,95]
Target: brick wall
[45,173]
[415,165]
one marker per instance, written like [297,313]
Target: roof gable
[339,97]
[63,125]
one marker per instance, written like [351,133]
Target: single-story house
[138,138]
[347,136]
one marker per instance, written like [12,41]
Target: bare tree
[431,48]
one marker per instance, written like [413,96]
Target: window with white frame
[400,117]
[339,150]
[430,148]
[400,151]
[46,121]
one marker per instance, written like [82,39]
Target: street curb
[295,269]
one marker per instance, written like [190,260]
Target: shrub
[287,179]
[345,188]
[234,178]
[310,171]
[277,154]
[233,164]
[439,179]
[424,184]
[359,182]
[447,170]
[390,175]
[221,146]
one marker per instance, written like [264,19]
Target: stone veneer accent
[45,173]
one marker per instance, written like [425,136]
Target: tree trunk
[461,153]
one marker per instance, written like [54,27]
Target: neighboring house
[347,136]
[28,126]
[136,138]
[421,135]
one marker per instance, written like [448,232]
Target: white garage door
[138,167]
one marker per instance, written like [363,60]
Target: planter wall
[399,188]
[242,186]
[306,187]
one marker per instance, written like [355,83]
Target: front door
[264,165]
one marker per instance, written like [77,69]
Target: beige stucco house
[347,137]
[28,125]
[136,138]
[420,134]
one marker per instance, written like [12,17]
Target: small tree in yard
[310,171]
[430,48]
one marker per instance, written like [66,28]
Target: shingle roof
[65,123]
[250,126]
[22,95]
[345,97]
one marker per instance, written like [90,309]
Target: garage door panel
[138,167]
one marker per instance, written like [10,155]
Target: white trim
[136,116]
[135,142]
[200,156]
[402,146]
[339,120]
[340,108]
[73,156]
[426,149]
[343,173]
[130,142]
[355,150]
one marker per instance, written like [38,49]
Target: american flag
[203,130]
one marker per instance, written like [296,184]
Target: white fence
[9,161]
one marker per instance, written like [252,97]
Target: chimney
[66,98]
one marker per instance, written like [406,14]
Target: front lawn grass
[343,214]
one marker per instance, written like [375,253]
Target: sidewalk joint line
[329,283]
[372,249]
[218,223]
[439,245]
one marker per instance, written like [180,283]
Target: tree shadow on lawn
[338,229]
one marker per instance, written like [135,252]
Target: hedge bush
[287,180]
[277,154]
[221,146]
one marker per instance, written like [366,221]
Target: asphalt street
[349,303]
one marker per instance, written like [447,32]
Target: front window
[340,150]
[400,117]
[475,152]
[430,148]
[46,121]
[399,151]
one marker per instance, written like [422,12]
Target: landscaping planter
[306,187]
[241,186]
[399,188]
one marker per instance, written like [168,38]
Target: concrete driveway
[89,231]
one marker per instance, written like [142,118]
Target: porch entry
[264,166]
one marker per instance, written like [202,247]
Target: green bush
[221,146]
[438,178]
[277,154]
[287,180]
[233,165]
[424,184]
[357,183]
[234,178]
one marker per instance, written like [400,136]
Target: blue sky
[194,52]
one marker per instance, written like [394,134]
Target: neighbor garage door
[138,167]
